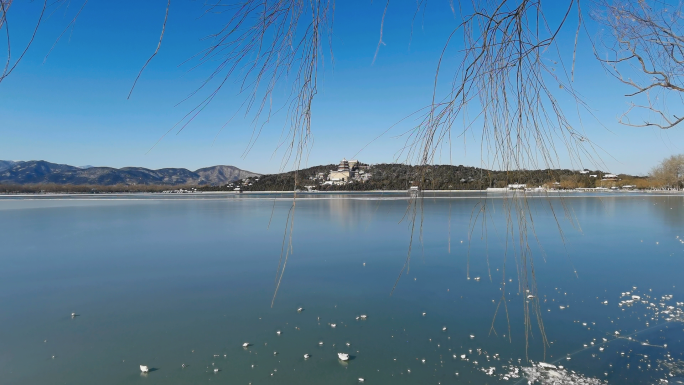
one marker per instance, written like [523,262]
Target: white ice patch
[546,374]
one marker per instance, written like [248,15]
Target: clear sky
[72,107]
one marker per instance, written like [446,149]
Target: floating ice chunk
[544,365]
[489,371]
[557,376]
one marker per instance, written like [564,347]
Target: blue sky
[72,108]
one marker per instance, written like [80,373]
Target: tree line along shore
[384,177]
[667,175]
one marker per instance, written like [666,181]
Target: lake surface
[170,280]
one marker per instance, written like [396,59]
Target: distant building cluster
[348,171]
[180,191]
[516,187]
[608,176]
[599,181]
[237,186]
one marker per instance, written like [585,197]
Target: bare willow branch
[645,51]
[382,28]
[71,24]
[4,8]
[267,45]
[505,85]
[161,37]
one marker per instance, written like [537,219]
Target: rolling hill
[42,172]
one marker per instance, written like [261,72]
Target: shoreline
[345,194]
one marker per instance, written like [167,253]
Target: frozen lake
[166,281]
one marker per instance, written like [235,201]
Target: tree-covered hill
[401,177]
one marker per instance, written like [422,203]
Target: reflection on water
[181,284]
[670,208]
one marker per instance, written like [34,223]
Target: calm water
[187,280]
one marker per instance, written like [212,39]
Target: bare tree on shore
[670,172]
[644,49]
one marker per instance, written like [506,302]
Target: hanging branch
[646,41]
[4,8]
[161,37]
[261,45]
[505,86]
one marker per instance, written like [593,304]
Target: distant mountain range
[42,172]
